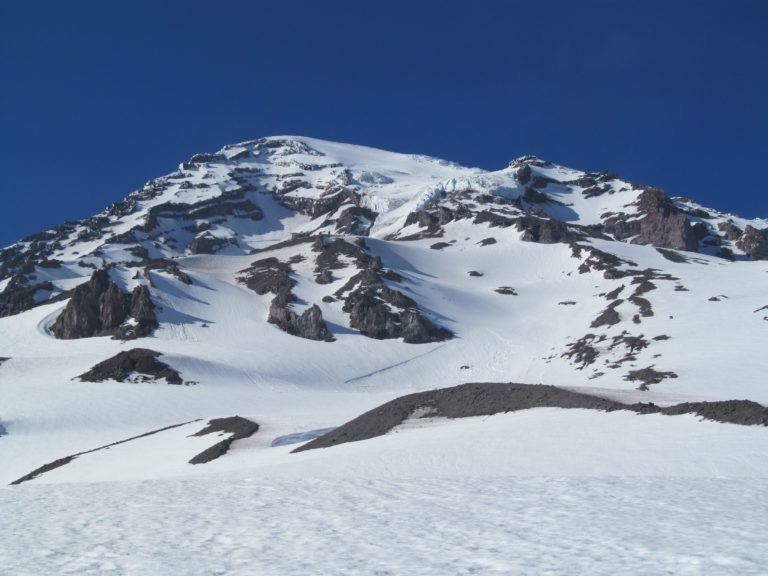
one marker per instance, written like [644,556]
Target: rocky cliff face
[96,308]
[142,311]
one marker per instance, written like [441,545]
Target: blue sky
[99,97]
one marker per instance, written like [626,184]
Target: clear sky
[99,97]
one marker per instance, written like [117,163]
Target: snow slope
[536,282]
[544,491]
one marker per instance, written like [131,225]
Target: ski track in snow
[396,365]
[418,526]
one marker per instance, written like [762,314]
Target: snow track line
[382,370]
[43,326]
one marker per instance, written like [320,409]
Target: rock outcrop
[754,242]
[17,298]
[140,361]
[309,324]
[237,428]
[660,224]
[100,308]
[96,308]
[272,275]
[545,230]
[143,313]
[375,309]
[484,399]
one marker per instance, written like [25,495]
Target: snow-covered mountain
[298,283]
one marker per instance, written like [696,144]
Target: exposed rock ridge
[467,400]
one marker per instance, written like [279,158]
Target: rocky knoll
[457,402]
[467,400]
[139,361]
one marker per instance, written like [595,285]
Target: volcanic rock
[754,242]
[96,308]
[138,360]
[662,224]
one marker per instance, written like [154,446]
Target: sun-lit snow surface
[430,526]
[244,365]
[533,492]
[543,491]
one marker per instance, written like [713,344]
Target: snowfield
[543,491]
[431,526]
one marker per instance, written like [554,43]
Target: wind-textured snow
[430,526]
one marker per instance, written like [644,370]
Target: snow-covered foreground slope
[542,491]
[536,442]
[431,526]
